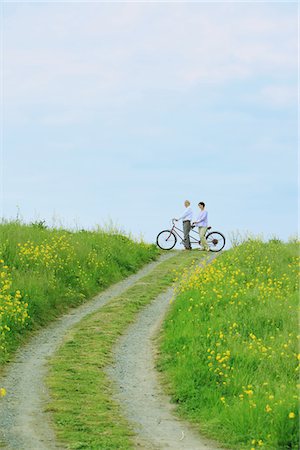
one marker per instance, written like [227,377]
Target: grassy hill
[229,350]
[44,272]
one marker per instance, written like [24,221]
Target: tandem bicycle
[167,239]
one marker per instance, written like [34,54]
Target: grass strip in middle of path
[84,413]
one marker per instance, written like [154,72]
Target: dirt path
[23,422]
[138,389]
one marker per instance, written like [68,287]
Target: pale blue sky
[123,110]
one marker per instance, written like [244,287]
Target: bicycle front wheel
[216,241]
[166,240]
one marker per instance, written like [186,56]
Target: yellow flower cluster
[58,257]
[13,310]
[219,364]
[49,254]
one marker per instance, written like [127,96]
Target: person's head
[187,203]
[201,205]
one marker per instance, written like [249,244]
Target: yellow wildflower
[2,392]
[268,408]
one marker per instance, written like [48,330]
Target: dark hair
[201,203]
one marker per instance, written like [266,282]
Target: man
[187,217]
[202,223]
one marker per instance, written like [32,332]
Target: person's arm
[199,218]
[195,221]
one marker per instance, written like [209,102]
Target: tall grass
[229,346]
[46,271]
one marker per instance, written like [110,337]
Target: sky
[120,111]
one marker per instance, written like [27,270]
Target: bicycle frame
[193,239]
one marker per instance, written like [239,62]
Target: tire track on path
[24,424]
[138,390]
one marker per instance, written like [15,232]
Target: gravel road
[138,390]
[24,424]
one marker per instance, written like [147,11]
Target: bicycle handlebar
[174,220]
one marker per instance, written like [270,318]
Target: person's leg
[202,231]
[186,238]
[200,236]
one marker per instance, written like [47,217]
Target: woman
[202,223]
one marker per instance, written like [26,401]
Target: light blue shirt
[187,215]
[201,220]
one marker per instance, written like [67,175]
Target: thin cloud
[66,53]
[279,95]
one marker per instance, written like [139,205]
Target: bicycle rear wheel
[216,241]
[166,240]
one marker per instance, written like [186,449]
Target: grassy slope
[229,347]
[44,272]
[84,412]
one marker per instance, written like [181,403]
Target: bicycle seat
[209,228]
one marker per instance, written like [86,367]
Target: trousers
[186,234]
[202,231]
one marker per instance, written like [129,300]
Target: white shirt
[187,215]
[201,220]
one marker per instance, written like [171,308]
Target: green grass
[84,413]
[228,349]
[44,272]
